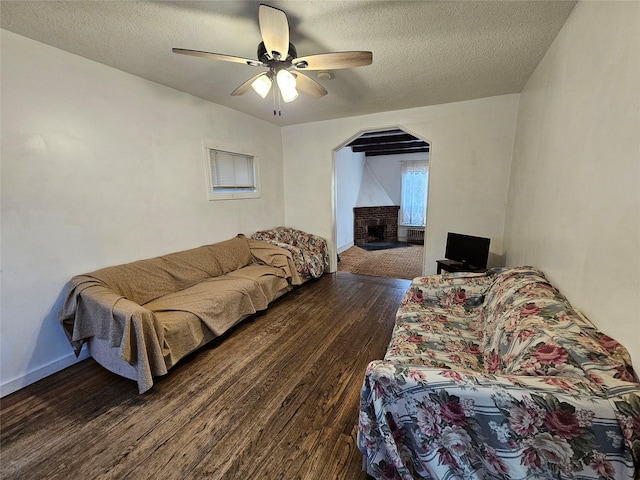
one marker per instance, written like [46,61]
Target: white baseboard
[40,373]
[345,247]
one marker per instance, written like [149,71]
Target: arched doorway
[368,171]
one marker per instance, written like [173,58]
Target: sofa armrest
[312,246]
[92,309]
[309,251]
[318,246]
[439,423]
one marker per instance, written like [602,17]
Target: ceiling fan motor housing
[264,57]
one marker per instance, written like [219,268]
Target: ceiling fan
[276,53]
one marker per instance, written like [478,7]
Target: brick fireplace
[375,224]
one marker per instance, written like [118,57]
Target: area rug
[383,245]
[393,263]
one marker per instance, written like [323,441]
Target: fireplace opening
[375,233]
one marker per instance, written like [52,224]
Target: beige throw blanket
[94,309]
[218,302]
[266,253]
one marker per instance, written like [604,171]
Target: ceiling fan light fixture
[287,85]
[262,85]
[277,54]
[290,96]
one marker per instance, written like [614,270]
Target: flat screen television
[468,249]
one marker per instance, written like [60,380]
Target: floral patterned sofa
[309,251]
[496,376]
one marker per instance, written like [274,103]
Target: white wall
[100,167]
[574,198]
[472,145]
[386,169]
[349,167]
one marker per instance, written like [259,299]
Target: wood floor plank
[275,398]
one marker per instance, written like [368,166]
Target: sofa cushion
[219,302]
[270,280]
[184,332]
[436,338]
[437,323]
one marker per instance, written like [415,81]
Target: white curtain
[413,207]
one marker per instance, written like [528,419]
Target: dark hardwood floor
[276,398]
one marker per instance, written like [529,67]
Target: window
[231,175]
[413,204]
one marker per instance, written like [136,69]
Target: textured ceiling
[424,52]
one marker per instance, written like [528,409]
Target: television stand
[452,266]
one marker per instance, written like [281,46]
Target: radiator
[415,235]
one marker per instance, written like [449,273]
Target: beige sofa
[141,318]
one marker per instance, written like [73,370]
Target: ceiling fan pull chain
[274,101]
[279,97]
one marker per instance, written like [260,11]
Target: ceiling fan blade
[333,61]
[218,56]
[308,85]
[244,88]
[274,28]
